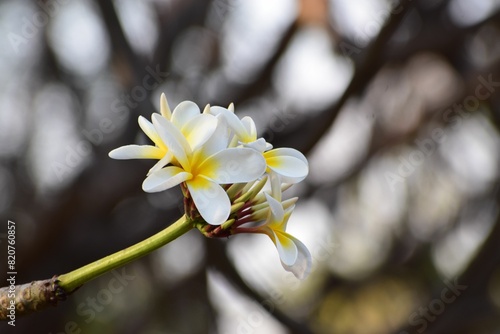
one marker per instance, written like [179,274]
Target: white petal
[206,110]
[302,266]
[219,139]
[150,131]
[165,178]
[287,249]
[164,108]
[136,152]
[249,125]
[288,167]
[210,199]
[199,129]
[288,163]
[275,182]
[173,139]
[184,112]
[162,162]
[258,145]
[233,121]
[234,165]
[277,212]
[286,151]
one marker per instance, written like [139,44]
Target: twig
[30,297]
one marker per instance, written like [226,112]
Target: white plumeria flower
[294,255]
[204,168]
[202,151]
[196,128]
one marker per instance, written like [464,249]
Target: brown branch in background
[315,127]
[172,22]
[239,93]
[381,142]
[130,66]
[30,297]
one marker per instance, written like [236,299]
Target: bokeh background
[396,105]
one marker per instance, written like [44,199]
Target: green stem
[73,280]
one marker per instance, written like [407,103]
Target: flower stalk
[73,280]
[41,294]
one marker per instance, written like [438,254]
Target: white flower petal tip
[234,123]
[259,145]
[164,179]
[302,266]
[287,249]
[207,109]
[135,152]
[294,255]
[164,108]
[184,112]
[276,209]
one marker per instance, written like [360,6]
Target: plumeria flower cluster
[231,179]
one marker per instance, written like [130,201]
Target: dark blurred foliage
[397,108]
